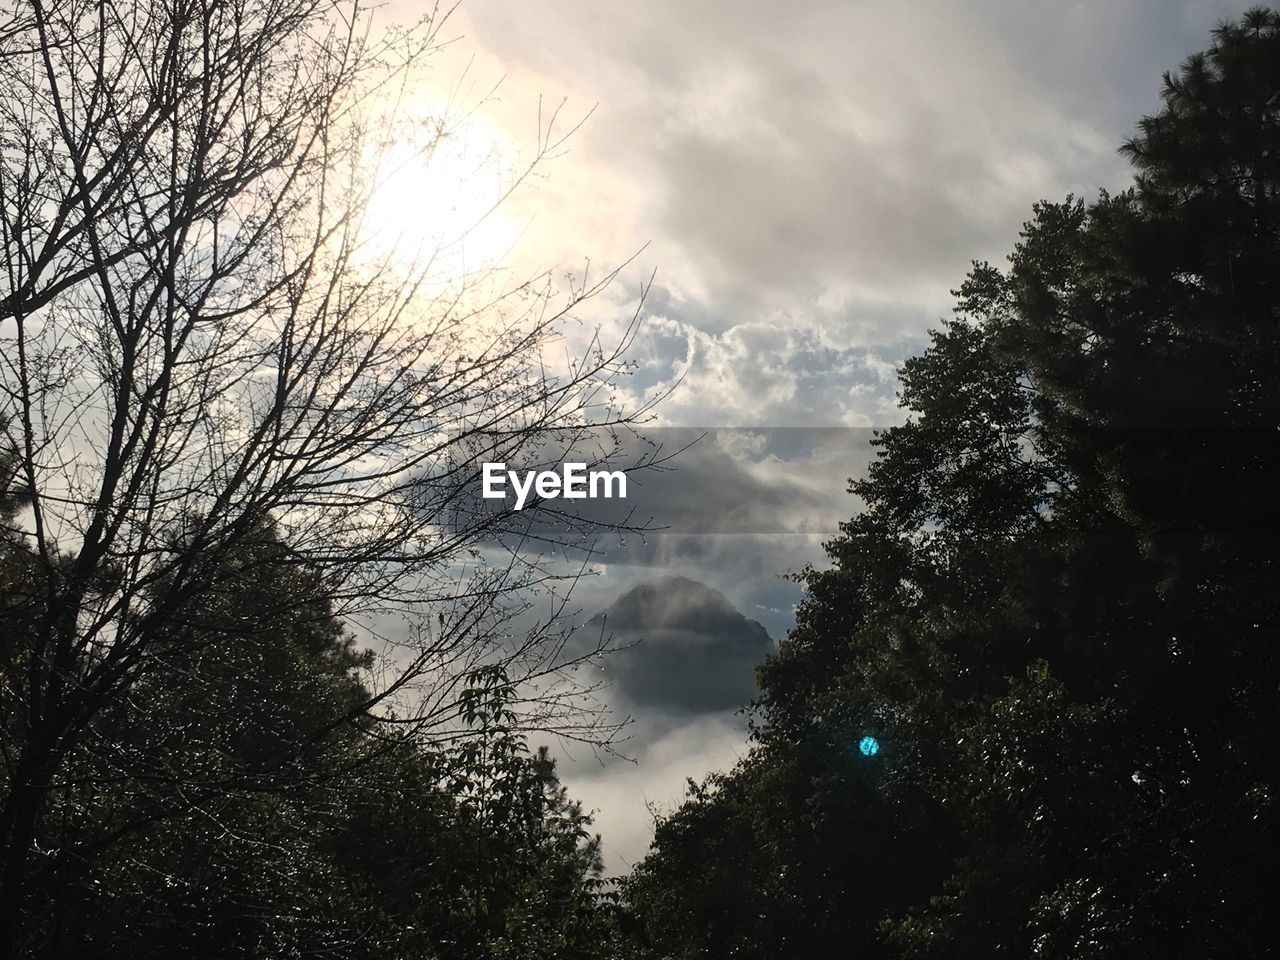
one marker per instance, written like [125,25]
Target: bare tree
[198,339]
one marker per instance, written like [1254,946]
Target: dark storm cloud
[749,481]
[685,673]
[684,649]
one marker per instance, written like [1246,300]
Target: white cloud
[623,793]
[831,168]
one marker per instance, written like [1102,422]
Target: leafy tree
[796,852]
[233,808]
[536,866]
[187,813]
[1057,612]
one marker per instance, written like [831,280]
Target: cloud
[759,374]
[816,177]
[840,138]
[684,649]
[685,671]
[625,796]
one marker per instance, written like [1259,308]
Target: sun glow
[439,201]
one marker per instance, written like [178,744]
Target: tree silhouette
[199,346]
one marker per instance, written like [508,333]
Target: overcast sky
[810,179]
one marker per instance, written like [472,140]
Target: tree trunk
[18,820]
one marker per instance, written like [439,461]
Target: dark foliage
[232,806]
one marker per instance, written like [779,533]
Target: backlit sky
[808,180]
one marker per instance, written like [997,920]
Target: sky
[804,184]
